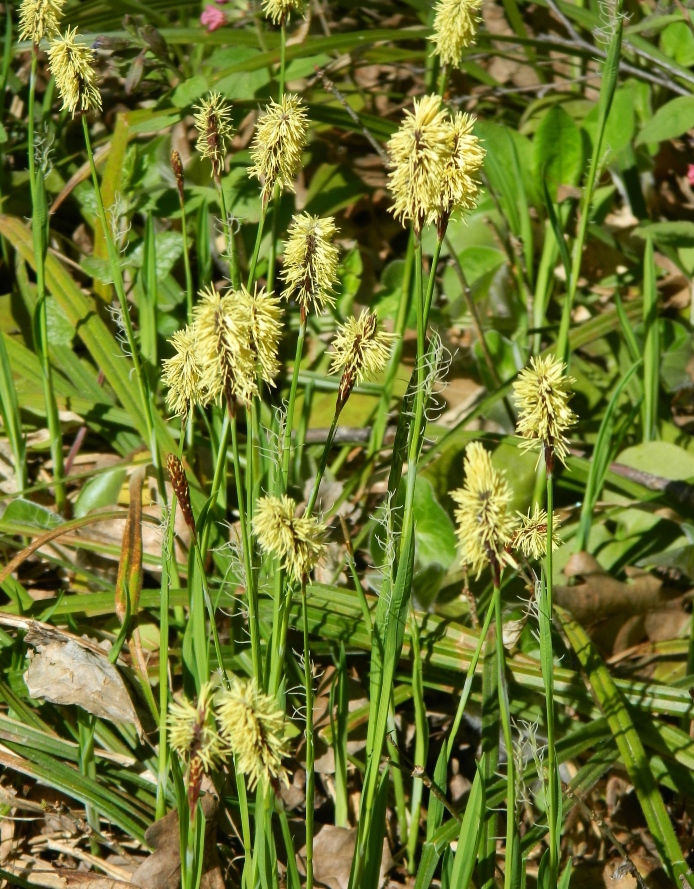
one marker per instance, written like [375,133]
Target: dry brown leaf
[333,850]
[162,870]
[66,672]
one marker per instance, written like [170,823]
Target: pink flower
[213,18]
[690,174]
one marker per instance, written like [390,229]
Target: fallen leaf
[67,672]
[162,870]
[333,850]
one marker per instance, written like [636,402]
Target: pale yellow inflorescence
[542,393]
[253,726]
[71,64]
[222,334]
[276,149]
[485,525]
[418,153]
[531,536]
[297,541]
[193,729]
[278,10]
[213,123]
[39,19]
[459,188]
[360,350]
[182,374]
[455,28]
[309,262]
[264,317]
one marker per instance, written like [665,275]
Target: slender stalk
[117,273]
[310,771]
[163,757]
[324,460]
[508,738]
[256,248]
[218,476]
[289,421]
[283,58]
[432,277]
[234,273]
[40,235]
[554,799]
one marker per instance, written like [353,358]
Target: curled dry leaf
[333,850]
[66,671]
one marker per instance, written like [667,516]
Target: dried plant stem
[117,273]
[39,227]
[310,771]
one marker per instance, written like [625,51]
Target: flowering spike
[418,152]
[296,540]
[455,27]
[71,64]
[459,188]
[531,536]
[193,730]
[264,317]
[253,726]
[213,123]
[542,393]
[227,364]
[360,350]
[182,374]
[277,145]
[39,19]
[310,260]
[278,10]
[484,523]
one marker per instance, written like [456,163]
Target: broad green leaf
[558,150]
[28,513]
[677,42]
[671,120]
[99,492]
[620,125]
[187,92]
[434,533]
[660,458]
[669,234]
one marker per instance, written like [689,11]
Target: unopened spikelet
[72,65]
[39,19]
[455,28]
[360,350]
[193,729]
[542,394]
[278,10]
[418,153]
[264,329]
[277,145]
[297,541]
[177,168]
[253,726]
[531,536]
[213,123]
[485,525]
[460,189]
[227,365]
[179,483]
[182,374]
[310,260]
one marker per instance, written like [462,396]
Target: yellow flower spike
[193,729]
[264,317]
[181,374]
[459,188]
[360,350]
[71,64]
[222,334]
[310,260]
[542,393]
[455,28]
[39,19]
[531,536]
[276,149]
[278,10]
[213,123]
[297,541]
[419,152]
[485,526]
[253,726]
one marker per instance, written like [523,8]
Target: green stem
[40,234]
[310,772]
[186,262]
[508,739]
[554,800]
[432,278]
[219,474]
[162,773]
[324,460]
[117,273]
[283,59]
[256,248]
[289,422]
[234,273]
